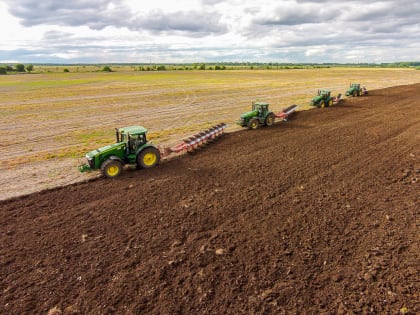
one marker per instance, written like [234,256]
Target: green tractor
[131,147]
[356,90]
[258,115]
[323,99]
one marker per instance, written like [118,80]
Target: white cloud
[315,51]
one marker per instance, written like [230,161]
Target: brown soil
[316,215]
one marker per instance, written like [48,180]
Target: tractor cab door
[135,142]
[262,110]
[138,141]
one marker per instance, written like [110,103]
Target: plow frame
[286,112]
[198,140]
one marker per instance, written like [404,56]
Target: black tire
[269,120]
[253,123]
[148,157]
[354,93]
[111,168]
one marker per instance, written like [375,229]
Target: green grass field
[55,114]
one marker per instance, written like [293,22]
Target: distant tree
[3,70]
[107,69]
[29,68]
[66,70]
[20,67]
[9,68]
[161,68]
[202,67]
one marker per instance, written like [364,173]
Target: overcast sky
[157,31]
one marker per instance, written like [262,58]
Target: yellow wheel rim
[112,170]
[330,103]
[149,159]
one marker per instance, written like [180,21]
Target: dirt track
[316,215]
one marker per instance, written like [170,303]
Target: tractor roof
[323,92]
[133,130]
[260,103]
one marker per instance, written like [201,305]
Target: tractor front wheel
[253,124]
[330,103]
[354,93]
[321,104]
[148,158]
[111,168]
[269,120]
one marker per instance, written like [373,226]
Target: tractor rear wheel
[321,104]
[148,158]
[111,168]
[253,123]
[354,93]
[269,120]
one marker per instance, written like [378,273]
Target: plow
[133,148]
[198,140]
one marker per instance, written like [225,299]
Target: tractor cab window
[139,140]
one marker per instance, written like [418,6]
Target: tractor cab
[134,137]
[261,107]
[324,93]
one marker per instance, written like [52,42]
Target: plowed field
[316,215]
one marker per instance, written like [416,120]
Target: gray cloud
[192,22]
[96,14]
[296,15]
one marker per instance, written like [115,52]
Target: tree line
[21,68]
[17,68]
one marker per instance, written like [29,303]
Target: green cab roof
[133,130]
[261,103]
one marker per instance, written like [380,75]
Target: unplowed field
[316,215]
